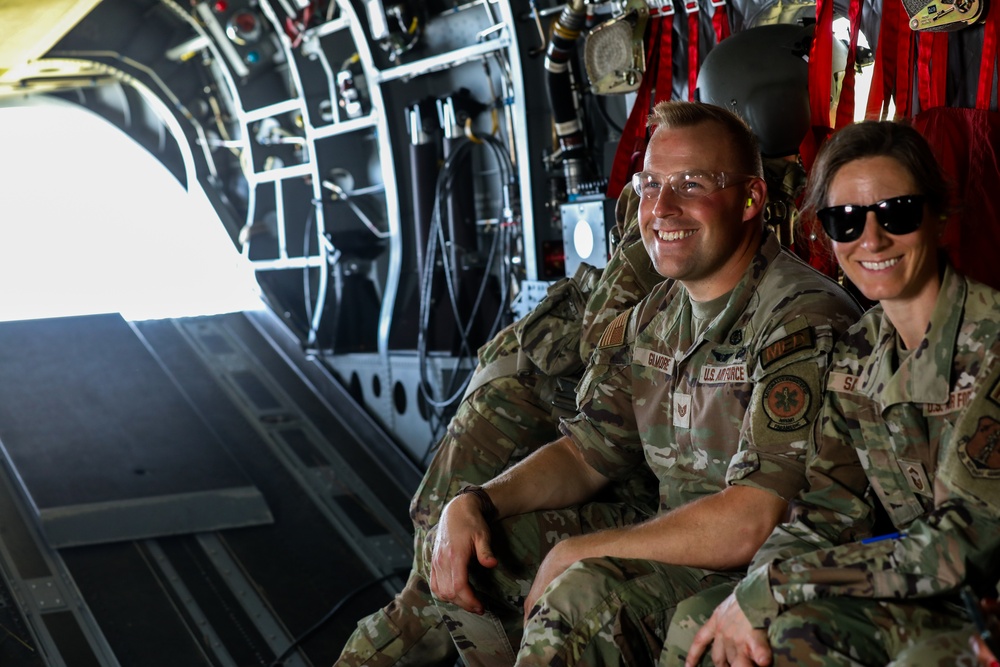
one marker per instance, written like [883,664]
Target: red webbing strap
[820,83]
[632,144]
[875,109]
[932,68]
[904,68]
[720,21]
[691,7]
[939,73]
[665,73]
[991,36]
[845,105]
[884,74]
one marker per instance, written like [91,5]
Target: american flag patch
[614,335]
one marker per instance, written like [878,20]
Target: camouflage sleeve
[605,430]
[935,556]
[835,510]
[787,394]
[820,553]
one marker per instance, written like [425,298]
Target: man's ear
[756,199]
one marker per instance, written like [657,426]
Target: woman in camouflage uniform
[908,429]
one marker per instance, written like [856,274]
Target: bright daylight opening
[862,79]
[92,223]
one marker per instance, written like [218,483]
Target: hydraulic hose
[569,130]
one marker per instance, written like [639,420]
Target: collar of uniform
[638,258]
[918,379]
[739,299]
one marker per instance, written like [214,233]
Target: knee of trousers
[599,605]
[408,629]
[583,587]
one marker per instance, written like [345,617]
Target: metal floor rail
[233,597]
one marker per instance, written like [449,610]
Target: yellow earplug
[749,202]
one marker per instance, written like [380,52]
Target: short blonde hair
[677,114]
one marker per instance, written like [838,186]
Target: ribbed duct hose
[569,130]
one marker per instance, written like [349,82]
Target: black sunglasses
[898,215]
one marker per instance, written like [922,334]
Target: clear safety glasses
[689,184]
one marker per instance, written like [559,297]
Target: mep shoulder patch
[786,402]
[800,340]
[614,335]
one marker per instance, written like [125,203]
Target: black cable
[435,237]
[330,614]
[306,289]
[500,248]
[601,102]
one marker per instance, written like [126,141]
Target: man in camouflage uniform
[709,383]
[909,431]
[525,381]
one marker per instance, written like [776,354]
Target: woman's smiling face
[885,267]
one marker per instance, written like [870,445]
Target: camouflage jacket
[557,337]
[917,432]
[729,407]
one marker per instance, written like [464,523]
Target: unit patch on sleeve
[800,340]
[980,452]
[614,335]
[786,402]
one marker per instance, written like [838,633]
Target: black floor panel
[170,600]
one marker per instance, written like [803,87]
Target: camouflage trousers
[604,610]
[609,611]
[841,631]
[495,426]
[945,649]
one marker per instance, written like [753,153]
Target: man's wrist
[486,506]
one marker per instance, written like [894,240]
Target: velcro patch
[843,382]
[916,477]
[614,335]
[786,402]
[682,410]
[980,452]
[958,400]
[729,374]
[800,340]
[652,359]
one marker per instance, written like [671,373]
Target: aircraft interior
[405,178]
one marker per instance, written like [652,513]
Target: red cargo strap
[720,20]
[691,9]
[657,84]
